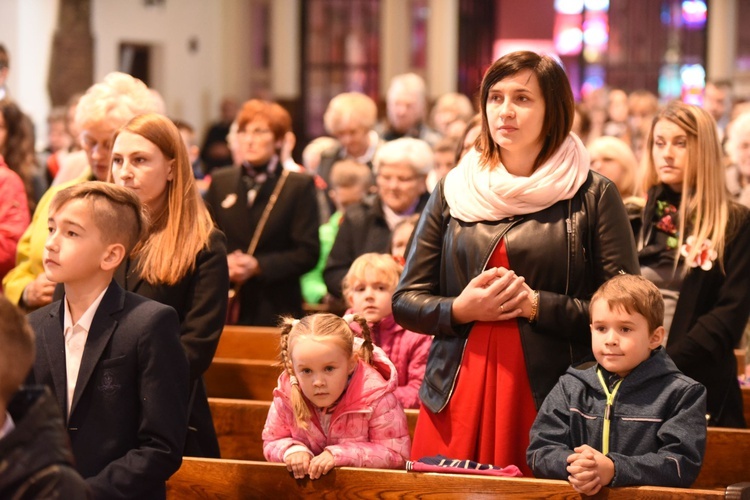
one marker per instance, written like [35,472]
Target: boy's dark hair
[634,294]
[16,350]
[117,211]
[348,173]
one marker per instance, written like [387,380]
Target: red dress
[491,411]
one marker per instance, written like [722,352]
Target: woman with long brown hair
[182,262]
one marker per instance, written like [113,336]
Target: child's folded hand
[298,464]
[321,464]
[584,473]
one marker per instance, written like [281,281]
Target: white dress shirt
[75,341]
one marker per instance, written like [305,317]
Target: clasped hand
[589,470]
[301,464]
[496,294]
[242,266]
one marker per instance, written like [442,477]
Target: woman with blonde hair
[182,262]
[693,246]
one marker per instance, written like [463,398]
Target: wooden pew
[739,354]
[727,458]
[239,425]
[213,478]
[249,342]
[241,378]
[256,379]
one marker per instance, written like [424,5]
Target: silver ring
[501,309]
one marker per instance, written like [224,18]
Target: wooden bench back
[213,478]
[256,379]
[239,425]
[249,342]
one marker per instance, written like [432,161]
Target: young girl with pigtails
[334,404]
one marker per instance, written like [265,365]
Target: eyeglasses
[89,143]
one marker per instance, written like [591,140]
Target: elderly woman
[350,118]
[406,106]
[401,167]
[104,108]
[269,216]
[738,148]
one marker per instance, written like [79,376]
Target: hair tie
[293,380]
[295,322]
[349,318]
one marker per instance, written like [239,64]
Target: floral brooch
[704,258]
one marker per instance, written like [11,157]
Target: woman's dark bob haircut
[559,105]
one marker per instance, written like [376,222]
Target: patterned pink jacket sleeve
[277,433]
[389,444]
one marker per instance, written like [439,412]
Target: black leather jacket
[565,252]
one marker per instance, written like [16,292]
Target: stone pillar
[721,39]
[71,66]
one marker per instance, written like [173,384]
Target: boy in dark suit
[112,358]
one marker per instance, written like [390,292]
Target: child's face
[347,196]
[371,297]
[445,161]
[621,340]
[75,248]
[322,369]
[400,238]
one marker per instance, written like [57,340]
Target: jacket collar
[102,328]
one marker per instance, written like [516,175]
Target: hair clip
[293,380]
[349,318]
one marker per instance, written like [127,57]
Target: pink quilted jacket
[368,427]
[408,351]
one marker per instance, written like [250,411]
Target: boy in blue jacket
[632,418]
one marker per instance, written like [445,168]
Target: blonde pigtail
[365,352]
[299,405]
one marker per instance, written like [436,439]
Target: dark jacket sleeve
[678,460]
[56,481]
[417,303]
[302,254]
[206,305]
[717,332]
[163,390]
[343,252]
[612,251]
[549,438]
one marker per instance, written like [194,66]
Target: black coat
[288,246]
[363,229]
[200,299]
[128,418]
[710,316]
[35,458]
[565,251]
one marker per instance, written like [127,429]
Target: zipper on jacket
[607,410]
[569,229]
[512,222]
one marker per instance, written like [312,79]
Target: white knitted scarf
[476,192]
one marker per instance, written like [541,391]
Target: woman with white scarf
[503,262]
